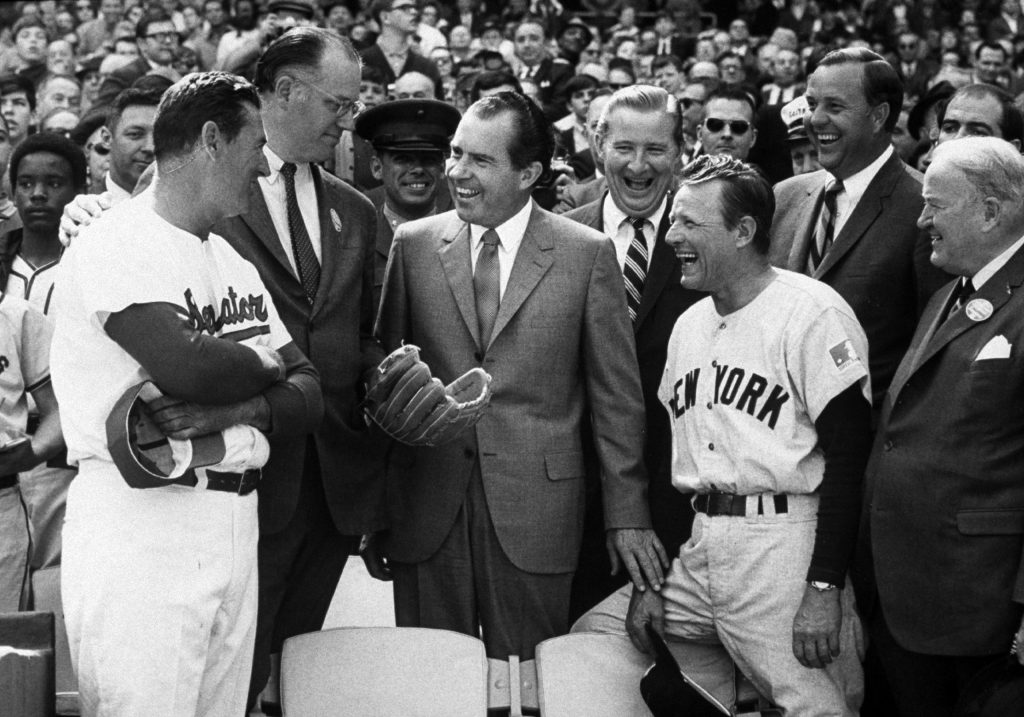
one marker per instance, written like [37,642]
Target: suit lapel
[928,324]
[864,214]
[805,225]
[458,270]
[532,261]
[330,238]
[663,261]
[259,222]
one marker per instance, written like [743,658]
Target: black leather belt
[241,483]
[716,503]
[8,481]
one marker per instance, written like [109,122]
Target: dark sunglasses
[735,126]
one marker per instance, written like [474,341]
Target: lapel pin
[978,309]
[335,220]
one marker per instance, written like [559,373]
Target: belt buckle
[248,480]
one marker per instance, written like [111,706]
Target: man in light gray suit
[486,530]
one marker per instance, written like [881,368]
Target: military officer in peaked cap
[410,143]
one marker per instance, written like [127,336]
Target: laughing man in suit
[943,595]
[486,530]
[640,136]
[871,250]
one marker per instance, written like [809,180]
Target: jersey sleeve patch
[844,356]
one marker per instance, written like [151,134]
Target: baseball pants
[730,598]
[14,547]
[159,590]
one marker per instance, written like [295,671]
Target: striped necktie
[823,236]
[634,272]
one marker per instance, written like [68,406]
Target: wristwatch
[822,587]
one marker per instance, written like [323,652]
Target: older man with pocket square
[940,571]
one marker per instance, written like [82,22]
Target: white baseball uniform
[159,585]
[45,487]
[24,366]
[743,392]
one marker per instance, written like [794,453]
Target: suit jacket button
[468,452]
[889,445]
[479,357]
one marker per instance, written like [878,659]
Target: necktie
[305,257]
[963,291]
[487,285]
[634,271]
[826,225]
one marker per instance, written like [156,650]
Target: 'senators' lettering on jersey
[743,390]
[233,310]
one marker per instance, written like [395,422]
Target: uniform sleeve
[826,357]
[36,336]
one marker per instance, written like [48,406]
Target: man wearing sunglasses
[728,124]
[157,39]
[398,20]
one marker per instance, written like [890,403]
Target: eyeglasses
[345,106]
[411,9]
[735,126]
[688,102]
[163,36]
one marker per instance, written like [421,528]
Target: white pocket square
[996,348]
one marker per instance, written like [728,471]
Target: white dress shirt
[510,236]
[986,272]
[618,227]
[854,188]
[277,203]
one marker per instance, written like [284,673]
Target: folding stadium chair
[26,664]
[46,598]
[383,672]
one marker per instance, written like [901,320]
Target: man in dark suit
[157,40]
[914,71]
[640,135]
[940,569]
[549,74]
[390,53]
[853,224]
[311,238]
[410,141]
[485,531]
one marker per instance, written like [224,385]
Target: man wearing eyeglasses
[157,40]
[398,20]
[728,124]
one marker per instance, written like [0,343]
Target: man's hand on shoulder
[816,627]
[80,212]
[645,607]
[640,551]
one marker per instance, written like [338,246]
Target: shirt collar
[117,192]
[613,216]
[855,185]
[986,272]
[510,233]
[275,162]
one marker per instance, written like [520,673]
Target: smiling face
[640,154]
[529,43]
[487,187]
[847,132]
[951,216]
[706,248]
[410,179]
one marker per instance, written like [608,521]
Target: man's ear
[376,168]
[105,135]
[210,137]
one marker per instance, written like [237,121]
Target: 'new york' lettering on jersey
[743,391]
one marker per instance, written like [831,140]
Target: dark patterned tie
[305,257]
[634,271]
[487,285]
[823,237]
[962,292]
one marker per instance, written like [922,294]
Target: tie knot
[966,287]
[638,223]
[834,187]
[490,238]
[288,170]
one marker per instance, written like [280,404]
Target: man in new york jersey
[159,584]
[767,391]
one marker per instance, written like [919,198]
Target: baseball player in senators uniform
[768,394]
[159,585]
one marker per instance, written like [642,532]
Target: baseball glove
[417,409]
